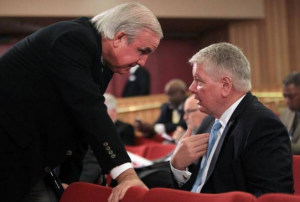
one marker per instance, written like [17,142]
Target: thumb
[188,133]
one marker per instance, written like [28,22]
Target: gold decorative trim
[268,94]
[157,105]
[138,108]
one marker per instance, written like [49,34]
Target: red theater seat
[166,195]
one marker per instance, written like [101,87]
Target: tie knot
[217,125]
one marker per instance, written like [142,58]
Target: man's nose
[142,60]
[192,87]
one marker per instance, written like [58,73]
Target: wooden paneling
[145,108]
[272,45]
[293,13]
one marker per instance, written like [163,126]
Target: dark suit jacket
[253,155]
[140,86]
[165,118]
[51,104]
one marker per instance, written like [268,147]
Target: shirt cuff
[116,171]
[180,176]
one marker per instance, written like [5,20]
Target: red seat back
[87,192]
[277,197]
[156,151]
[165,195]
[296,172]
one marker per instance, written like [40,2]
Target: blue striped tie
[212,139]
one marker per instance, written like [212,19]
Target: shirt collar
[133,69]
[227,114]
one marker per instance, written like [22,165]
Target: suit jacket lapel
[240,108]
[217,151]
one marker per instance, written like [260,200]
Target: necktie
[212,139]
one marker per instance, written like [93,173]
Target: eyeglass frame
[190,111]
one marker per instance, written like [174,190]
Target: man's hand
[126,180]
[65,186]
[189,149]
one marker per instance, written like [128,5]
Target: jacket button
[108,148]
[105,144]
[110,152]
[69,153]
[47,169]
[113,156]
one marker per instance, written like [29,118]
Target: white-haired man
[52,86]
[248,149]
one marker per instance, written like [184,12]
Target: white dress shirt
[183,176]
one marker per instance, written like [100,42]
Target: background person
[290,116]
[192,116]
[248,149]
[138,82]
[52,85]
[171,112]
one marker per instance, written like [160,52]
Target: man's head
[291,91]
[221,76]
[130,32]
[175,90]
[192,115]
[111,104]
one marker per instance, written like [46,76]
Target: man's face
[291,94]
[175,95]
[123,56]
[207,92]
[192,116]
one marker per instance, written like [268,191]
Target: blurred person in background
[192,116]
[290,116]
[171,112]
[138,82]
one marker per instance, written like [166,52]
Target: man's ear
[226,83]
[119,38]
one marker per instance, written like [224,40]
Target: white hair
[223,59]
[110,101]
[130,18]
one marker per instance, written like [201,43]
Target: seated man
[248,149]
[91,170]
[172,112]
[290,117]
[192,116]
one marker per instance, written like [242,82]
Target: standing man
[248,149]
[290,117]
[51,104]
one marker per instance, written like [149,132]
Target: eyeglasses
[190,111]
